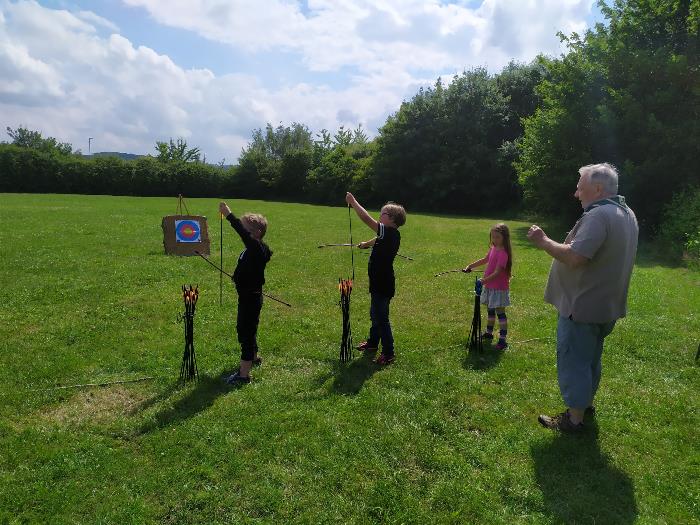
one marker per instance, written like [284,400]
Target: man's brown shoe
[561,422]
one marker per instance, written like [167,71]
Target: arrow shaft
[214,265]
[223,272]
[275,299]
[353,245]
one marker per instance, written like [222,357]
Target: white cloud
[90,17]
[59,75]
[365,34]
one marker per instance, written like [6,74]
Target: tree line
[626,92]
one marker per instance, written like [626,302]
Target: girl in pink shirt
[495,293]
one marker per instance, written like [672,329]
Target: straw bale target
[185,234]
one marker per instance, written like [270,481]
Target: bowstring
[352,253]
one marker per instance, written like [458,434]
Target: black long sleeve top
[250,270]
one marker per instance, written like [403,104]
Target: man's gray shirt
[596,292]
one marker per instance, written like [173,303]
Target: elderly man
[588,285]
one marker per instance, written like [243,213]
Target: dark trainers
[366,347]
[487,335]
[560,422]
[385,359]
[236,379]
[502,345]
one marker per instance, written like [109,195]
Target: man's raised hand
[536,235]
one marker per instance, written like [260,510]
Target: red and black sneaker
[366,347]
[384,359]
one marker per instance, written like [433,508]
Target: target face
[187,231]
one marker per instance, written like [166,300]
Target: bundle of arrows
[188,368]
[345,287]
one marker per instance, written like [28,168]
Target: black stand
[475,343]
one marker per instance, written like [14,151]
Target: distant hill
[134,156]
[125,156]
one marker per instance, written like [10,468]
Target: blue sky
[130,72]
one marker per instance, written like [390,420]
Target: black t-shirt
[250,270]
[381,261]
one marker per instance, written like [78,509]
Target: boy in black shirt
[381,273]
[249,278]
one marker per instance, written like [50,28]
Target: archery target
[185,234]
[187,231]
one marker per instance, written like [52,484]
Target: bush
[680,226]
[32,170]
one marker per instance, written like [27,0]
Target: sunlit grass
[436,437]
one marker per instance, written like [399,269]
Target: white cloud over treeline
[71,74]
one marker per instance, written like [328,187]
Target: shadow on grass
[199,398]
[578,482]
[652,254]
[152,401]
[485,360]
[350,377]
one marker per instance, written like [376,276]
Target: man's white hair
[604,174]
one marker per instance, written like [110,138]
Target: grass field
[436,437]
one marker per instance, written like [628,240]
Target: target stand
[185,234]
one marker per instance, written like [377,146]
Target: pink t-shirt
[498,258]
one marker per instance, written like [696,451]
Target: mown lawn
[437,437]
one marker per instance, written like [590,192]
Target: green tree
[176,151]
[276,161]
[627,92]
[26,138]
[518,83]
[559,137]
[440,151]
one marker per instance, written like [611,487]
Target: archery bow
[221,258]
[459,270]
[345,287]
[231,277]
[352,252]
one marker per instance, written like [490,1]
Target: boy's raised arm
[224,209]
[244,234]
[361,212]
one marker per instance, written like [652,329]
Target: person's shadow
[349,378]
[484,360]
[578,482]
[199,398]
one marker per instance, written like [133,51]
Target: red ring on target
[187,231]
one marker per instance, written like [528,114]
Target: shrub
[680,226]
